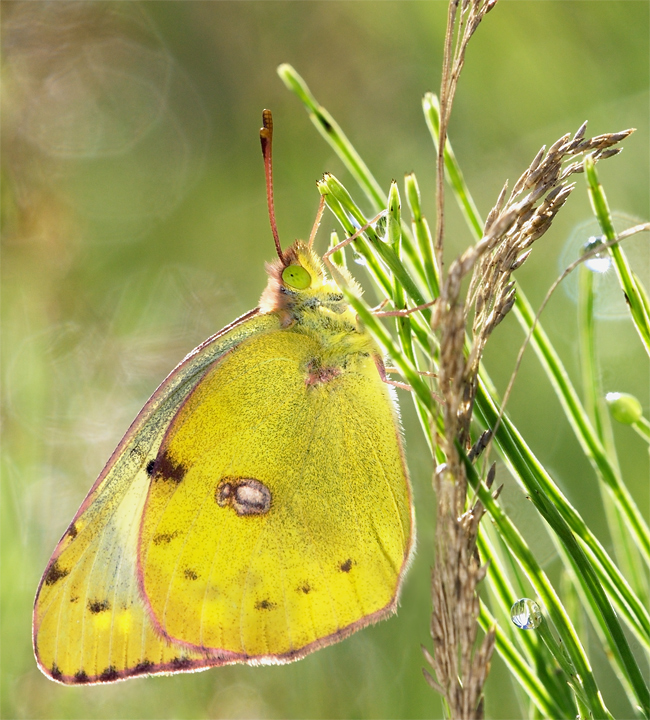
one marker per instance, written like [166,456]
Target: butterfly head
[298,285]
[298,289]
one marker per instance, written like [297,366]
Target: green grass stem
[528,643]
[625,550]
[522,671]
[422,233]
[580,601]
[587,341]
[431,109]
[582,427]
[582,677]
[336,138]
[642,426]
[544,495]
[635,297]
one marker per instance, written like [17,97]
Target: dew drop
[609,301]
[600,262]
[526,614]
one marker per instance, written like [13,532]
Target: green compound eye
[297,277]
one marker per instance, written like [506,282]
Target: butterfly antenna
[266,138]
[319,215]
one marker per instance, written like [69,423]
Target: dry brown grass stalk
[460,28]
[460,667]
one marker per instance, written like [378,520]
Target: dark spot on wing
[150,467]
[74,598]
[81,677]
[72,531]
[246,496]
[190,574]
[164,538]
[346,566]
[138,452]
[109,674]
[264,605]
[179,663]
[142,667]
[166,468]
[55,672]
[98,606]
[55,573]
[305,588]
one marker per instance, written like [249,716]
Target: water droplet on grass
[526,614]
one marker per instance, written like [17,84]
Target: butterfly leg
[424,373]
[347,241]
[402,313]
[379,307]
[382,374]
[404,386]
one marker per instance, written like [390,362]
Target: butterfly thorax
[308,302]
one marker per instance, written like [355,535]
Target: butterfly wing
[279,514]
[90,622]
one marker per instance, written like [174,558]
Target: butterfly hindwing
[278,518]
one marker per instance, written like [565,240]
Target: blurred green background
[135,225]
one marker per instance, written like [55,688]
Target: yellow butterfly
[257,509]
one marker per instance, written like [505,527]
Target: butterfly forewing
[91,623]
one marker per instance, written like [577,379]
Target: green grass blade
[582,428]
[524,674]
[334,135]
[584,602]
[408,370]
[371,258]
[431,109]
[642,426]
[545,496]
[384,250]
[336,138]
[636,300]
[643,295]
[535,652]
[586,337]
[625,550]
[583,676]
[422,233]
